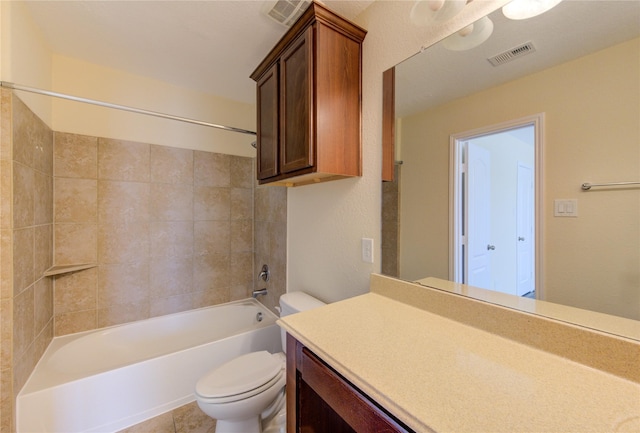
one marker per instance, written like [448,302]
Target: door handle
[491,247]
[520,238]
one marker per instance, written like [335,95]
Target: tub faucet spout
[260,292]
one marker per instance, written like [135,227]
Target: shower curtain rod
[14,86]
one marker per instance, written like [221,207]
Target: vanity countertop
[437,374]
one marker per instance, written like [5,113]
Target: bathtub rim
[61,340]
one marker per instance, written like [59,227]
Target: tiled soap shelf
[64,269]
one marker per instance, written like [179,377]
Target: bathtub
[112,378]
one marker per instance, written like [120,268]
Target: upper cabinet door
[296,78]
[268,128]
[309,119]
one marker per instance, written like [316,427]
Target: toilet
[247,394]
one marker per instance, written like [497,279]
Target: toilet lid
[240,375]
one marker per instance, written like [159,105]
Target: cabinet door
[268,131]
[296,125]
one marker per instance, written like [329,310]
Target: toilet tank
[295,302]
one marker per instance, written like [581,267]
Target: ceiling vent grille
[285,12]
[512,54]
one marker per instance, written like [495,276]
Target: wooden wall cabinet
[309,93]
[320,400]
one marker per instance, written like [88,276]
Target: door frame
[535,120]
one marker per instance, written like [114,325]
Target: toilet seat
[241,378]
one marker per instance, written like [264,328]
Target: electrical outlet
[367,250]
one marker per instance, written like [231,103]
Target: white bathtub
[109,379]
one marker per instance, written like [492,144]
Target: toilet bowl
[247,394]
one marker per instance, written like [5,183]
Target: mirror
[581,74]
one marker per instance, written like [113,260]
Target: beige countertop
[437,374]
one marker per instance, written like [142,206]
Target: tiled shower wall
[391,224]
[168,229]
[26,226]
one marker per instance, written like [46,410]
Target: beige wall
[118,87]
[590,261]
[25,57]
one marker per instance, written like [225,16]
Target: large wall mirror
[564,92]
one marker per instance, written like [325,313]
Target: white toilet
[246,394]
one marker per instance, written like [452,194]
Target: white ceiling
[571,30]
[210,46]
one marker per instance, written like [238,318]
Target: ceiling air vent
[512,54]
[285,12]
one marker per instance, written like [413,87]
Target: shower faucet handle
[264,273]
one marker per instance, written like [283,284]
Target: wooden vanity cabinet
[321,400]
[309,92]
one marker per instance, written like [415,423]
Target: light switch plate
[367,250]
[565,208]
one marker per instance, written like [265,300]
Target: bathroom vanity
[410,358]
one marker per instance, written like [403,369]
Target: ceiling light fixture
[470,36]
[425,12]
[523,9]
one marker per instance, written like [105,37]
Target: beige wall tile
[123,160]
[23,195]
[206,298]
[75,156]
[123,313]
[211,169]
[77,321]
[121,284]
[123,242]
[75,243]
[6,264]
[23,323]
[242,236]
[242,172]
[171,165]
[23,264]
[76,291]
[170,276]
[212,237]
[43,304]
[6,125]
[241,267]
[123,201]
[6,194]
[239,291]
[43,198]
[6,400]
[43,253]
[6,333]
[171,202]
[171,239]
[241,204]
[211,203]
[211,271]
[23,128]
[32,139]
[170,305]
[76,200]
